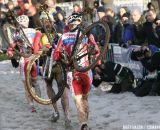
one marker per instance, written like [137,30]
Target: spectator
[110,12]
[123,33]
[33,14]
[10,5]
[122,11]
[51,7]
[101,12]
[76,8]
[150,59]
[97,31]
[118,28]
[138,21]
[150,6]
[111,21]
[95,7]
[59,22]
[151,28]
[111,72]
[59,10]
[21,5]
[96,4]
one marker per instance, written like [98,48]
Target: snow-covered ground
[107,111]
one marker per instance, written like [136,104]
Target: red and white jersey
[33,36]
[68,40]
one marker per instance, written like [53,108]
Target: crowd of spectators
[133,27]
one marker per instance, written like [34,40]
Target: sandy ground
[107,111]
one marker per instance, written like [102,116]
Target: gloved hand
[49,52]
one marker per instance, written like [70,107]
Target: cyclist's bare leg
[29,98]
[36,86]
[65,104]
[51,94]
[64,99]
[81,102]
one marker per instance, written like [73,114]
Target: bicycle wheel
[42,98]
[8,32]
[85,57]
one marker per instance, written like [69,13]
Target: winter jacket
[151,33]
[139,38]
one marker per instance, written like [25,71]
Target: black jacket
[111,23]
[111,70]
[139,38]
[151,33]
[152,63]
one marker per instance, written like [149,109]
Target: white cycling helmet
[23,20]
[75,18]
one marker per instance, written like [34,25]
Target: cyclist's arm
[37,42]
[96,48]
[93,42]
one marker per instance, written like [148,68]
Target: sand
[107,111]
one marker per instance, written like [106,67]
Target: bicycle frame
[67,61]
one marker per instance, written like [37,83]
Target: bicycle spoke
[91,51]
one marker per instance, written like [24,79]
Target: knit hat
[101,9]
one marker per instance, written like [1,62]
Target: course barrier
[121,55]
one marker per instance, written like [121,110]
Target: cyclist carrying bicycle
[55,72]
[78,82]
[26,49]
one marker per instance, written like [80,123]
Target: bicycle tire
[62,84]
[30,89]
[103,48]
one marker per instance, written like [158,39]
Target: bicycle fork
[50,64]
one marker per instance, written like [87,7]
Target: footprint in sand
[100,108]
[114,120]
[106,115]
[132,112]
[100,128]
[154,112]
[105,123]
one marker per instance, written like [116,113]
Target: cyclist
[57,74]
[78,82]
[26,49]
